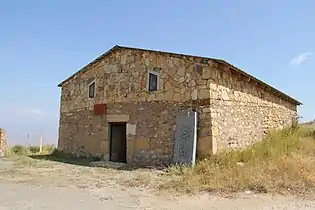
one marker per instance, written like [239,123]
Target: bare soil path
[37,184]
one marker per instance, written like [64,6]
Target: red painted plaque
[100,109]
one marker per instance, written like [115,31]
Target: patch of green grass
[21,150]
[18,150]
[34,149]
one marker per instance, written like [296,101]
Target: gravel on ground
[25,184]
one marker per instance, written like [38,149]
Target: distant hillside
[311,123]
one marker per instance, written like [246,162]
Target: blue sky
[43,42]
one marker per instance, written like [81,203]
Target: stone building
[124,106]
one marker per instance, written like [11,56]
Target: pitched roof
[116,47]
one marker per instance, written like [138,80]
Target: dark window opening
[92,90]
[153,82]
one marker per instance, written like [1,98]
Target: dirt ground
[26,183]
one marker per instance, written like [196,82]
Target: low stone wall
[3,142]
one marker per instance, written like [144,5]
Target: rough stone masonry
[3,142]
[235,109]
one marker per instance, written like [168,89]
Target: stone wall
[3,142]
[83,134]
[122,77]
[243,111]
[233,111]
[121,83]
[154,124]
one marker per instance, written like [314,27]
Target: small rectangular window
[153,81]
[92,90]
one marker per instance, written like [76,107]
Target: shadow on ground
[68,159]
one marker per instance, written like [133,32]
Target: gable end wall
[121,83]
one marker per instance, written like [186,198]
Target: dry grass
[283,161]
[20,150]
